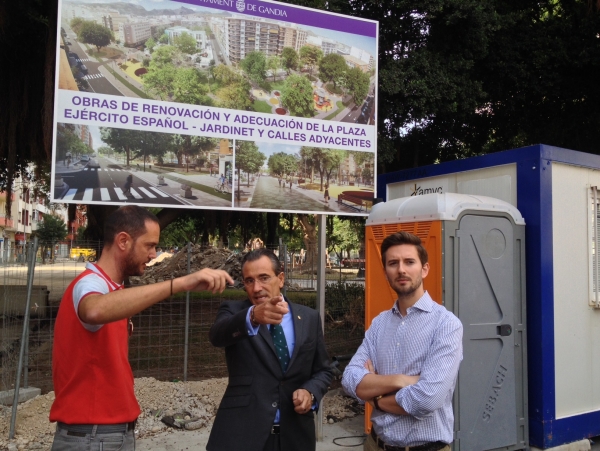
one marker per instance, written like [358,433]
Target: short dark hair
[261,252]
[399,238]
[130,219]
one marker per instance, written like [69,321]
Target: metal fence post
[24,337]
[187,317]
[321,264]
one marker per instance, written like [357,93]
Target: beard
[131,266]
[407,290]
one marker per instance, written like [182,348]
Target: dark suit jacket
[257,385]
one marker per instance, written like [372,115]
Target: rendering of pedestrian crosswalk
[92,76]
[83,60]
[113,194]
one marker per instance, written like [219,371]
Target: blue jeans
[72,440]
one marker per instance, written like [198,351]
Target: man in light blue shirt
[407,365]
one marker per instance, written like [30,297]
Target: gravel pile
[199,399]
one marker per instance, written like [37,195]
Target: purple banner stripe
[290,13]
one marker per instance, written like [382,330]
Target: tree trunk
[309,236]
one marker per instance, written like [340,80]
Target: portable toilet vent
[476,248]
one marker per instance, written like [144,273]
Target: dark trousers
[272,443]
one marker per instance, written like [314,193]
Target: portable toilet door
[476,248]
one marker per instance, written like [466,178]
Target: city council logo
[240,5]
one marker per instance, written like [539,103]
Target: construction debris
[198,400]
[200,257]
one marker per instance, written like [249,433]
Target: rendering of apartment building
[244,36]
[326,45]
[295,38]
[134,33]
[83,133]
[199,36]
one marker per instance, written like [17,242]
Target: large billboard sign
[218,104]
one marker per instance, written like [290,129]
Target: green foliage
[248,158]
[274,64]
[357,83]
[159,80]
[332,67]
[289,59]
[185,43]
[255,66]
[297,96]
[235,96]
[67,141]
[310,57]
[282,164]
[162,56]
[164,39]
[150,44]
[188,87]
[51,230]
[94,34]
[76,24]
[225,75]
[343,300]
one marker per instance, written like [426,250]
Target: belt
[431,446]
[275,429]
[81,430]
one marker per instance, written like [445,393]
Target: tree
[122,140]
[282,164]
[255,66]
[163,56]
[289,59]
[185,43]
[332,67]
[357,83]
[310,56]
[331,160]
[164,39]
[248,158]
[95,34]
[159,80]
[76,23]
[274,64]
[235,96]
[67,141]
[297,96]
[150,44]
[51,231]
[188,87]
[225,74]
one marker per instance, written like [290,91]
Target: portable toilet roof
[437,207]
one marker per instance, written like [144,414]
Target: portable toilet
[557,192]
[477,271]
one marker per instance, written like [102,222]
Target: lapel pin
[299,317]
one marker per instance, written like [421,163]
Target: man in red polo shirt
[95,403]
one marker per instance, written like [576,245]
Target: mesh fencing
[157,347]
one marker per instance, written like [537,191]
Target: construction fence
[170,339]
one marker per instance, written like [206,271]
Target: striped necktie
[280,344]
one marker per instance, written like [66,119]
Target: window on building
[594,245]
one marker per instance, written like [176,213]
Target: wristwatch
[376,401]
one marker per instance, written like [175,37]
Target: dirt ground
[198,399]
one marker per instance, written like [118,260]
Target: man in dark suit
[278,366]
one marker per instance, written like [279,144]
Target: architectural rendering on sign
[238,70]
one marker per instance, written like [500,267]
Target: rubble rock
[156,398]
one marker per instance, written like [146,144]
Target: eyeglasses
[262,280]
